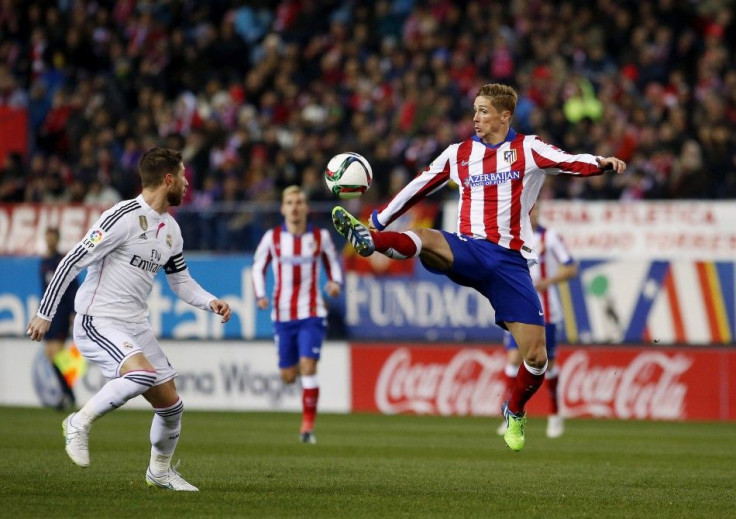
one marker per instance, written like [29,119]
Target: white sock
[552,373]
[394,254]
[536,371]
[165,432]
[113,395]
[511,371]
[310,381]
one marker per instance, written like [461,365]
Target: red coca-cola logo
[648,387]
[469,384]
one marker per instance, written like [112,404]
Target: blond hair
[503,97]
[290,190]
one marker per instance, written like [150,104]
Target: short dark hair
[156,163]
[503,97]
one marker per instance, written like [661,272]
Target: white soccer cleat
[172,480]
[502,428]
[77,442]
[555,426]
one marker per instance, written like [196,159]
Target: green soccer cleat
[514,435]
[355,232]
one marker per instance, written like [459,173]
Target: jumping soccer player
[555,266]
[123,251]
[499,174]
[295,249]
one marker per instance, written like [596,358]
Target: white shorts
[110,342]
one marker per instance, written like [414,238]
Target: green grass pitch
[251,465]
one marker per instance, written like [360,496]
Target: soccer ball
[348,175]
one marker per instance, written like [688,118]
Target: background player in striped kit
[555,266]
[58,332]
[295,249]
[122,252]
[499,174]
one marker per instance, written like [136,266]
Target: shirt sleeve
[426,183]
[261,259]
[330,260]
[108,232]
[180,279]
[556,246]
[555,161]
[184,285]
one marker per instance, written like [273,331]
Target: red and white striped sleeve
[555,161]
[427,182]
[556,246]
[261,259]
[330,260]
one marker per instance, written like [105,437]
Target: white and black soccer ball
[348,175]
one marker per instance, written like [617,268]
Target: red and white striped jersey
[498,186]
[295,266]
[552,252]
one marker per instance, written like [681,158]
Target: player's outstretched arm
[220,307]
[611,164]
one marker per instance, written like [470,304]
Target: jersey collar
[309,229]
[148,208]
[509,137]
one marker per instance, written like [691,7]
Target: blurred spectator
[260,94]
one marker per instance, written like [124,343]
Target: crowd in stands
[259,94]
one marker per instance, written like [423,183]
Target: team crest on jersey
[143,222]
[168,240]
[509,156]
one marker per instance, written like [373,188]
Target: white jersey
[295,264]
[552,253]
[122,252]
[497,186]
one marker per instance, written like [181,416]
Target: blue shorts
[550,332]
[301,338]
[500,274]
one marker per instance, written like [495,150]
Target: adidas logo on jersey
[142,236]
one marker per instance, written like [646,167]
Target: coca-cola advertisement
[611,382]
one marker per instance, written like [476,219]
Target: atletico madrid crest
[509,156]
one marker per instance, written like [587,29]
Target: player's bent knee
[288,377]
[137,362]
[536,357]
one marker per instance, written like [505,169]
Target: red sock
[508,382]
[526,385]
[309,408]
[399,241]
[552,390]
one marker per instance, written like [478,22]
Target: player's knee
[288,377]
[137,362]
[536,355]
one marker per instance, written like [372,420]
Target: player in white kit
[122,252]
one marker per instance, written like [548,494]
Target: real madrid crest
[143,222]
[168,240]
